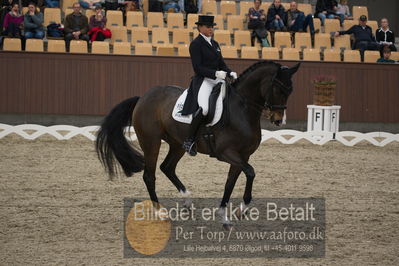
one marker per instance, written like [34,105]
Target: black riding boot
[189,143]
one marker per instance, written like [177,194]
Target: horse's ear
[294,69]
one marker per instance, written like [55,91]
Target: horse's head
[276,96]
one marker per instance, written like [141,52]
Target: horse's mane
[252,68]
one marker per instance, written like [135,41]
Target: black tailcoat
[206,60]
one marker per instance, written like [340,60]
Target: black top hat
[205,20]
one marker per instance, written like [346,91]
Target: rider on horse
[210,69]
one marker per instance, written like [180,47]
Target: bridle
[286,90]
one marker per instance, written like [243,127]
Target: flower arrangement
[324,80]
[324,93]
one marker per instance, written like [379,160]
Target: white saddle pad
[188,118]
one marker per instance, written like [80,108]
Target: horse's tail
[111,142]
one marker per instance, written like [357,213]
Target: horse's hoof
[188,203]
[242,211]
[228,227]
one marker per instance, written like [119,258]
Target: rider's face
[206,30]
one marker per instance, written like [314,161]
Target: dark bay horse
[264,85]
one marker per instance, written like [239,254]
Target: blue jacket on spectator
[272,12]
[361,34]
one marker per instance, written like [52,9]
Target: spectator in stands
[328,9]
[386,56]
[191,6]
[297,21]
[76,26]
[98,31]
[171,6]
[131,5]
[276,17]
[111,4]
[343,9]
[33,23]
[5,8]
[89,4]
[364,38]
[13,22]
[52,3]
[385,36]
[257,19]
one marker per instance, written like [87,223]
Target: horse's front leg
[233,175]
[237,165]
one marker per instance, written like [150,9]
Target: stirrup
[190,147]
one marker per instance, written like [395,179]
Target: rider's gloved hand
[233,75]
[221,74]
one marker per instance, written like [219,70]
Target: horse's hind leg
[150,149]
[168,167]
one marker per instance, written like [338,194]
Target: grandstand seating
[100,47]
[349,23]
[395,56]
[165,51]
[119,34]
[209,7]
[183,50]
[245,6]
[371,56]
[134,19]
[265,6]
[122,48]
[235,22]
[270,53]
[181,37]
[229,51]
[143,49]
[34,45]
[249,52]
[322,40]
[160,36]
[331,25]
[305,8]
[317,25]
[302,39]
[56,46]
[373,24]
[89,12]
[291,54]
[114,18]
[78,46]
[154,20]
[146,29]
[219,22]
[282,40]
[242,38]
[139,34]
[222,37]
[12,44]
[332,55]
[191,19]
[52,15]
[357,11]
[175,20]
[352,56]
[311,54]
[67,4]
[342,41]
[228,8]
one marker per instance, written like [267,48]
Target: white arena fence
[347,138]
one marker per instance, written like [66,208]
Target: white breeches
[205,91]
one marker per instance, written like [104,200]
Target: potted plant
[324,93]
